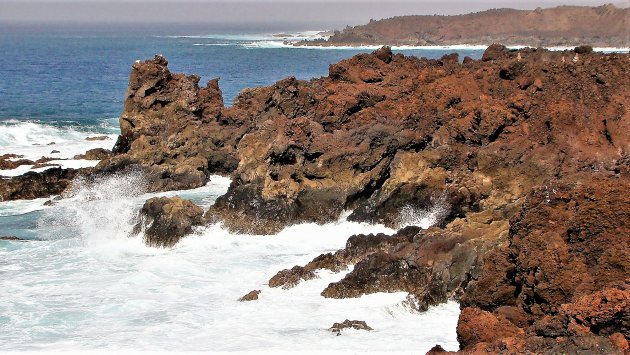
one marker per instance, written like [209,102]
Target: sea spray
[96,210]
[424,218]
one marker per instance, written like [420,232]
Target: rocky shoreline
[523,154]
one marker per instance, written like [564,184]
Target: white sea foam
[95,288]
[34,140]
[15,208]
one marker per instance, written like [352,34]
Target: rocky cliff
[522,157]
[605,26]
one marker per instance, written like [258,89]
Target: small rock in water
[165,220]
[51,143]
[94,154]
[289,278]
[97,138]
[251,296]
[355,324]
[11,237]
[55,152]
[52,201]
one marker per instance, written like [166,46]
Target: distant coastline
[564,26]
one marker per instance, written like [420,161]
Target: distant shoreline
[602,27]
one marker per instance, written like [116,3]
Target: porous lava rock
[562,279]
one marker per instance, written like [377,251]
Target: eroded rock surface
[562,279]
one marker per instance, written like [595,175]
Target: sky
[324,14]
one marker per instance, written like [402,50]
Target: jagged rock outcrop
[33,185]
[602,26]
[165,220]
[379,135]
[172,129]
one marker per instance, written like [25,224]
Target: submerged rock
[165,220]
[354,324]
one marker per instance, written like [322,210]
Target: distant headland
[602,26]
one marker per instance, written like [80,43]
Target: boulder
[165,220]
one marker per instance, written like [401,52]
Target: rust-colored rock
[563,274]
[478,326]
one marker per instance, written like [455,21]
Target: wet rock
[33,185]
[165,220]
[289,278]
[54,151]
[7,164]
[354,324]
[250,296]
[94,154]
[97,138]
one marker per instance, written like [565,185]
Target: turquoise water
[82,283]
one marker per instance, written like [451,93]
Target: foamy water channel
[86,285]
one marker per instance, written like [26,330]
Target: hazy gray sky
[323,13]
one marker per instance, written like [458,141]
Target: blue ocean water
[82,283]
[79,75]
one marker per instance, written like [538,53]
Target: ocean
[81,283]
